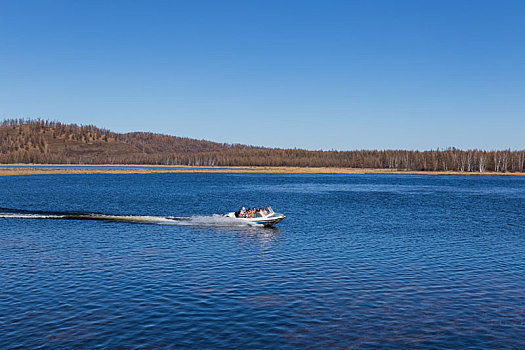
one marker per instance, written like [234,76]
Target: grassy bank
[148,169]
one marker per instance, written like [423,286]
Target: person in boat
[252,212]
[241,213]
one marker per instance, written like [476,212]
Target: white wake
[207,221]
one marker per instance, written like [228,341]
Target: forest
[51,142]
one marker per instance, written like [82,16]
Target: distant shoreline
[33,169]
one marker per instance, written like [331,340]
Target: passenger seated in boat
[252,212]
[241,213]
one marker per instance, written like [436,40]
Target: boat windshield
[269,210]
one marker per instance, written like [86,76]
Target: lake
[361,261]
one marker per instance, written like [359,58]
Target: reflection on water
[359,262]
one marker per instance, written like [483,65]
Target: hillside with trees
[49,142]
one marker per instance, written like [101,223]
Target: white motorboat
[266,217]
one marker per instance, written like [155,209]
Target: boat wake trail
[209,221]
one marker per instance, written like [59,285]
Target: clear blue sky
[287,73]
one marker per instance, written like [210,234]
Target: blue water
[361,261]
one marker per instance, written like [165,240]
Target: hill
[38,141]
[47,142]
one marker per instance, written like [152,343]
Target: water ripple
[360,262]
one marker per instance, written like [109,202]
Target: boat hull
[266,221]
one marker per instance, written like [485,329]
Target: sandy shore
[149,169]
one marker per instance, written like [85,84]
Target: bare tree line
[42,141]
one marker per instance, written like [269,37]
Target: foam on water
[29,216]
[199,220]
[213,220]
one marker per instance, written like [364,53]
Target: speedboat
[266,217]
